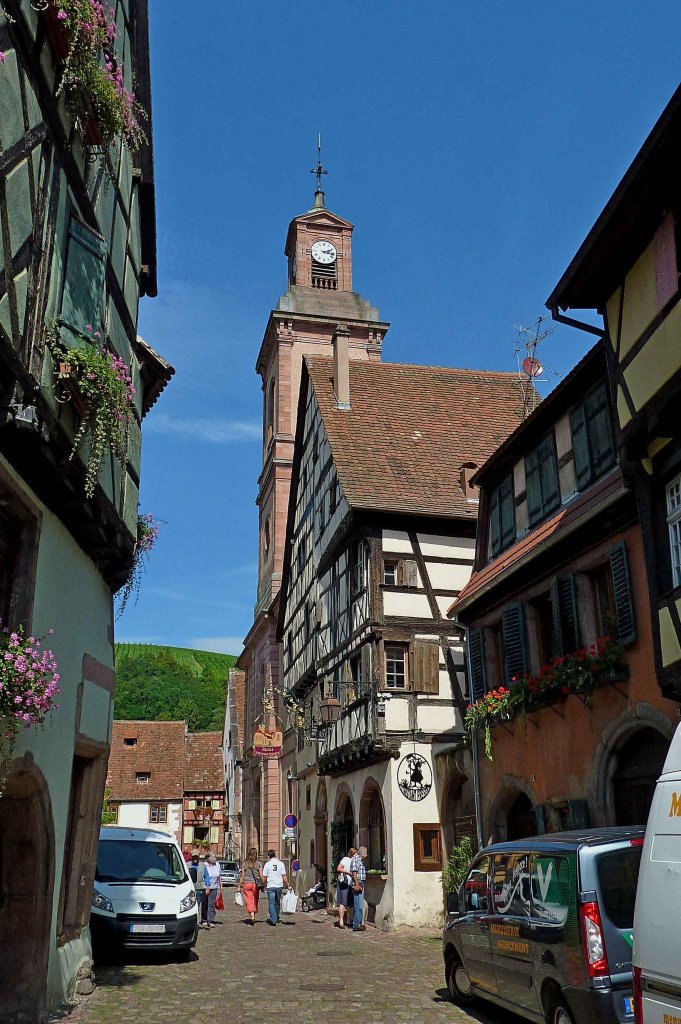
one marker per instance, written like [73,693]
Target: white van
[657,931]
[143,894]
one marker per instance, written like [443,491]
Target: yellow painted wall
[669,642]
[640,299]
[657,361]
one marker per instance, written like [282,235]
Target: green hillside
[169,683]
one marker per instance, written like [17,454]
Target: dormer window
[324,264]
[130,741]
[142,777]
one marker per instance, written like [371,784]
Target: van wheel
[458,983]
[558,1012]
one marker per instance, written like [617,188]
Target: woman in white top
[343,886]
[212,886]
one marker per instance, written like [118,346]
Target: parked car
[543,927]
[657,938]
[143,895]
[229,872]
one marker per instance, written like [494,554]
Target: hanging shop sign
[267,742]
[414,777]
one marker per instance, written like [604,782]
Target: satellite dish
[532,367]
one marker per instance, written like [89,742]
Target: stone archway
[321,818]
[26,890]
[511,810]
[639,765]
[372,831]
[343,825]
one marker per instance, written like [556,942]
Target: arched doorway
[343,825]
[321,817]
[372,826]
[639,765]
[26,838]
[521,821]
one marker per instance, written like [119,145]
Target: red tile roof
[159,750]
[517,556]
[204,765]
[401,446]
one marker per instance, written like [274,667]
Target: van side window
[475,887]
[551,889]
[511,884]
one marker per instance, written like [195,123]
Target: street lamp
[329,710]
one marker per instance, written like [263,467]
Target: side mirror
[453,903]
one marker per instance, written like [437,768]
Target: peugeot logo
[148,907]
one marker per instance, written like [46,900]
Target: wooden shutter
[580,447]
[409,573]
[215,804]
[533,485]
[83,295]
[565,617]
[494,523]
[548,474]
[540,813]
[621,587]
[426,666]
[188,835]
[514,642]
[578,814]
[476,663]
[191,806]
[506,512]
[214,834]
[599,426]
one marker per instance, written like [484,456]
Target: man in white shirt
[274,873]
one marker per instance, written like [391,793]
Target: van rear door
[616,871]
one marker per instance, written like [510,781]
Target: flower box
[57,31]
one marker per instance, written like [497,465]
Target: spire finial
[319,170]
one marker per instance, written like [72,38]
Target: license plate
[629,1006]
[148,929]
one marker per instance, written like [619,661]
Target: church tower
[318,299]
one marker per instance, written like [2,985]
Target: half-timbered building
[77,250]
[627,271]
[380,538]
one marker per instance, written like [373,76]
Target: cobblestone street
[302,971]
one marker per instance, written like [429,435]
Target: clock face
[323,252]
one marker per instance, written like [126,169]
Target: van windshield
[127,860]
[617,878]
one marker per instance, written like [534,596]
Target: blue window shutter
[599,425]
[548,474]
[580,447]
[83,294]
[494,523]
[621,586]
[513,626]
[476,663]
[533,485]
[506,512]
[565,617]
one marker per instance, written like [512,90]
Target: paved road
[303,971]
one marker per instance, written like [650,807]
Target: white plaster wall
[446,547]
[444,603]
[136,815]
[396,712]
[410,605]
[435,718]
[397,541]
[447,577]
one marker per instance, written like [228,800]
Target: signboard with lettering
[267,742]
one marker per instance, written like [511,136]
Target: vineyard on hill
[164,684]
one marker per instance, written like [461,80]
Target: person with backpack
[251,883]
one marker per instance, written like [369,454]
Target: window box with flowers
[578,673]
[99,384]
[147,535]
[29,683]
[82,35]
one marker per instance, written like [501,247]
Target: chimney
[341,366]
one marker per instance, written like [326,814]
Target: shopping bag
[219,902]
[239,899]
[289,902]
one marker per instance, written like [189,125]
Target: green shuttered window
[565,617]
[541,477]
[515,660]
[502,516]
[621,586]
[476,663]
[592,438]
[82,298]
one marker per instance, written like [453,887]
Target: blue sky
[472,144]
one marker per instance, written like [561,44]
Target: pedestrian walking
[359,877]
[250,882]
[274,873]
[343,888]
[193,868]
[212,885]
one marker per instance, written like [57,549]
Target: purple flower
[62,15]
[2,57]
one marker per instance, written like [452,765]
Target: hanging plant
[101,385]
[29,682]
[83,34]
[147,535]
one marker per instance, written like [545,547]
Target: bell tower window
[324,268]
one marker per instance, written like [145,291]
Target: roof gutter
[579,324]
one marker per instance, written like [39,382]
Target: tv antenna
[530,369]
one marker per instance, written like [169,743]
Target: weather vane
[319,170]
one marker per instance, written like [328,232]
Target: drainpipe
[476,763]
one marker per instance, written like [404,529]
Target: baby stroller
[315,898]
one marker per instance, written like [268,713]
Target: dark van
[543,927]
